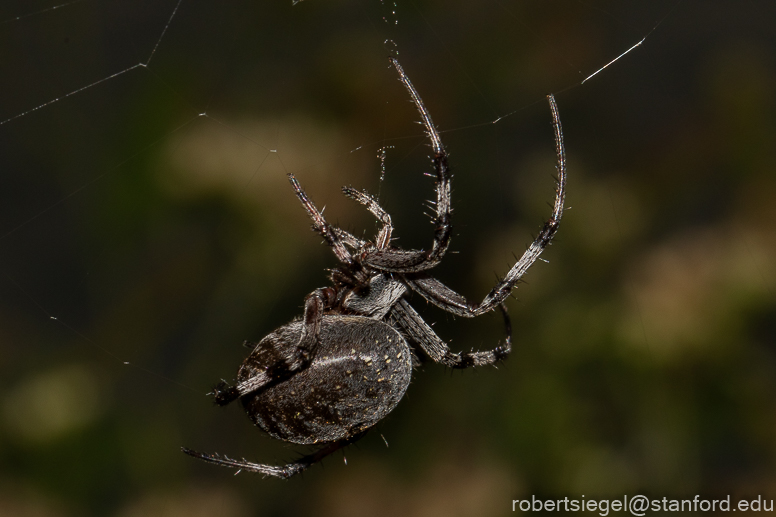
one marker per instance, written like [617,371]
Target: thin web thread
[95,83]
[42,11]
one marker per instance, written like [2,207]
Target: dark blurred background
[645,357]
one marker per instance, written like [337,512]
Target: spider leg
[348,239]
[448,300]
[284,363]
[418,330]
[284,472]
[332,236]
[442,296]
[365,198]
[408,261]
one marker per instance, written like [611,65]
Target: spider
[328,377]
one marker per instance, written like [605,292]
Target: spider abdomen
[360,371]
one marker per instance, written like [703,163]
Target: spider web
[145,213]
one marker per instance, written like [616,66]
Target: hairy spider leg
[285,366]
[403,315]
[334,236]
[284,472]
[348,239]
[383,238]
[410,261]
[445,298]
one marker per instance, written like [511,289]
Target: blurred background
[147,229]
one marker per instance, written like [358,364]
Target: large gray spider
[330,376]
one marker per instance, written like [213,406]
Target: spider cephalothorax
[333,374]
